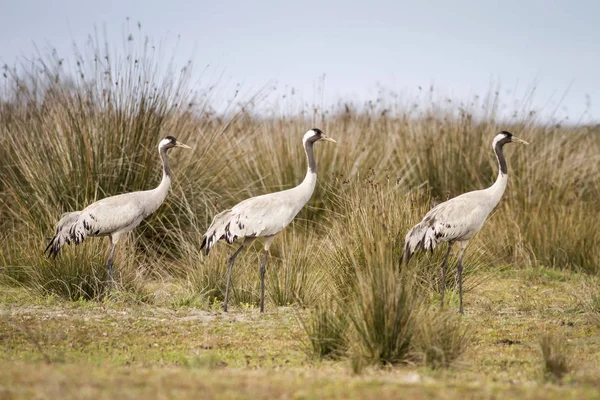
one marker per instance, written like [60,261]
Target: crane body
[460,218]
[264,216]
[114,216]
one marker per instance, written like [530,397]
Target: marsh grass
[383,317]
[327,331]
[291,278]
[99,117]
[384,320]
[293,273]
[374,310]
[80,273]
[208,278]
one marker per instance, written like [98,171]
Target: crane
[116,215]
[264,216]
[460,218]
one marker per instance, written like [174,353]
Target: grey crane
[116,215]
[264,216]
[460,218]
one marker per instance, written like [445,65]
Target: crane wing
[266,215]
[459,218]
[258,216]
[107,216]
[104,217]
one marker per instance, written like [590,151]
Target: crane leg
[263,269]
[229,268]
[110,279]
[444,265]
[459,268]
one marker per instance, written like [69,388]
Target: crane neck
[310,180]
[165,183]
[497,189]
[310,158]
[500,157]
[154,198]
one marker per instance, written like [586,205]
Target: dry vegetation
[74,132]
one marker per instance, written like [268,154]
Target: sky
[328,50]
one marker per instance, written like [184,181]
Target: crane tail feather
[55,244]
[51,249]
[222,227]
[65,230]
[420,237]
[203,245]
[227,226]
[407,255]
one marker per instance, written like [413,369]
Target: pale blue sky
[460,46]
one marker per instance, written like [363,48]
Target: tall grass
[383,316]
[327,331]
[99,116]
[373,313]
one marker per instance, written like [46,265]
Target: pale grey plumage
[264,216]
[459,219]
[258,216]
[116,215]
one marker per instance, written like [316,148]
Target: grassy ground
[51,349]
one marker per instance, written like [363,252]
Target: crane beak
[327,138]
[183,146]
[517,140]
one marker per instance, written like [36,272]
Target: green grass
[92,347]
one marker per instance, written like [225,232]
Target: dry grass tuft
[555,356]
[442,338]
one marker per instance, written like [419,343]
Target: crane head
[314,135]
[169,142]
[504,137]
